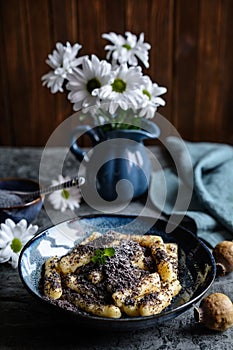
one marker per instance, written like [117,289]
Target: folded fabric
[198,186]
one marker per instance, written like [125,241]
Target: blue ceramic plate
[196,263]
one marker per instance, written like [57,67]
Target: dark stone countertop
[25,324]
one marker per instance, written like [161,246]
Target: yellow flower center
[65,194]
[127,46]
[146,92]
[92,85]
[119,85]
[16,245]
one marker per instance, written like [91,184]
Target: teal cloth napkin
[205,170]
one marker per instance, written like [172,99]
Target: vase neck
[149,130]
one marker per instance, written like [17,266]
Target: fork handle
[75,181]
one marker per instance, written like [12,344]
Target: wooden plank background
[191,54]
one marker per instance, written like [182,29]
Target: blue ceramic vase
[116,155]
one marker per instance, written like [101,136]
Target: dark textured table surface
[26,324]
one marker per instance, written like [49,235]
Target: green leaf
[101,254]
[95,258]
[109,251]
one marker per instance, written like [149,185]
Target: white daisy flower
[151,99]
[65,198]
[124,90]
[63,60]
[82,82]
[12,239]
[129,49]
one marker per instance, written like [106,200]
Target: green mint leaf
[109,252]
[102,260]
[95,258]
[101,254]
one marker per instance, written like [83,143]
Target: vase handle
[79,131]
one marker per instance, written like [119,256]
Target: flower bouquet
[107,89]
